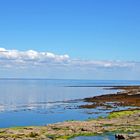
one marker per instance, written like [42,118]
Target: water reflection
[39,102]
[14,93]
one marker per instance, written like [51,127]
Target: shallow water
[39,102]
[105,137]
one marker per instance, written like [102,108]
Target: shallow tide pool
[103,137]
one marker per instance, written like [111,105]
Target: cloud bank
[10,58]
[34,64]
[30,58]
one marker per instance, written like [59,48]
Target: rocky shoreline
[126,123]
[127,96]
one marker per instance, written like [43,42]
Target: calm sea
[39,102]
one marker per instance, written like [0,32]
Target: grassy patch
[76,135]
[17,128]
[122,113]
[107,125]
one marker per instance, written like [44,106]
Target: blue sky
[91,30]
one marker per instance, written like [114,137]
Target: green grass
[76,135]
[17,127]
[107,125]
[122,113]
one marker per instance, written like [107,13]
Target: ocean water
[39,102]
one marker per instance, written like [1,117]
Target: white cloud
[103,64]
[12,58]
[15,57]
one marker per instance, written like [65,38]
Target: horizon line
[20,78]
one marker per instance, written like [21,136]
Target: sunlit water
[40,102]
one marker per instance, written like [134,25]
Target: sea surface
[27,102]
